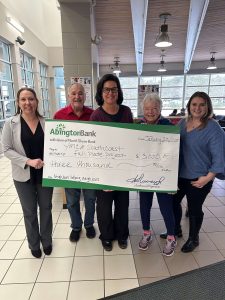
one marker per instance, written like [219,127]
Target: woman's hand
[203,180]
[35,163]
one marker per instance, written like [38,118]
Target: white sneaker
[145,242]
[169,247]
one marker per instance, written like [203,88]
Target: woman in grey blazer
[23,144]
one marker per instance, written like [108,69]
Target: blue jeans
[73,205]
[166,208]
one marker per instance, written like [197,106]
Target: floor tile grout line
[134,262]
[67,294]
[6,271]
[35,281]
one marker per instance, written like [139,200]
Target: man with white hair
[77,111]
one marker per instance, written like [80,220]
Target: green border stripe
[141,127]
[93,186]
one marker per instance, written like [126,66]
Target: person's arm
[216,144]
[36,163]
[55,116]
[217,149]
[8,146]
[11,153]
[203,180]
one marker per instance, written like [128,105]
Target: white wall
[42,17]
[41,35]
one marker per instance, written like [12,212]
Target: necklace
[193,125]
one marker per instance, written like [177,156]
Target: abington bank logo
[61,130]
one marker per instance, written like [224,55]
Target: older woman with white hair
[152,106]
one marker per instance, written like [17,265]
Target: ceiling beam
[139,9]
[197,14]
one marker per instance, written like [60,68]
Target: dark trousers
[113,227]
[73,205]
[166,208]
[195,198]
[31,196]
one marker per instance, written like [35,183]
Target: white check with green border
[115,156]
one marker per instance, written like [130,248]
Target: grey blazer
[13,148]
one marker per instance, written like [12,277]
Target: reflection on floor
[83,270]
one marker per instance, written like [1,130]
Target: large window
[26,66]
[59,87]
[196,83]
[7,99]
[217,93]
[171,93]
[212,84]
[130,92]
[44,89]
[172,90]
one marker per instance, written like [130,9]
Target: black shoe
[190,245]
[179,234]
[48,250]
[122,244]
[75,235]
[107,245]
[36,253]
[90,232]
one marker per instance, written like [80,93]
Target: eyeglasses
[114,90]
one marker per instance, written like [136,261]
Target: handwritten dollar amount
[154,156]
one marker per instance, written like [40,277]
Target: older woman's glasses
[108,90]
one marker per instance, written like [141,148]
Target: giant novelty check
[113,156]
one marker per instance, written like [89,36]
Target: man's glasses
[108,90]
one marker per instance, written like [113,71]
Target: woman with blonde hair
[202,157]
[23,144]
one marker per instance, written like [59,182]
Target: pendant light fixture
[162,67]
[163,39]
[212,62]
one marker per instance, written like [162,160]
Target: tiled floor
[83,270]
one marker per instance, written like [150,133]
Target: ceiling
[196,28]
[114,25]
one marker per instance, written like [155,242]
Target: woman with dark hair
[23,144]
[109,97]
[202,157]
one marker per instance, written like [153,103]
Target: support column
[76,37]
[94,53]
